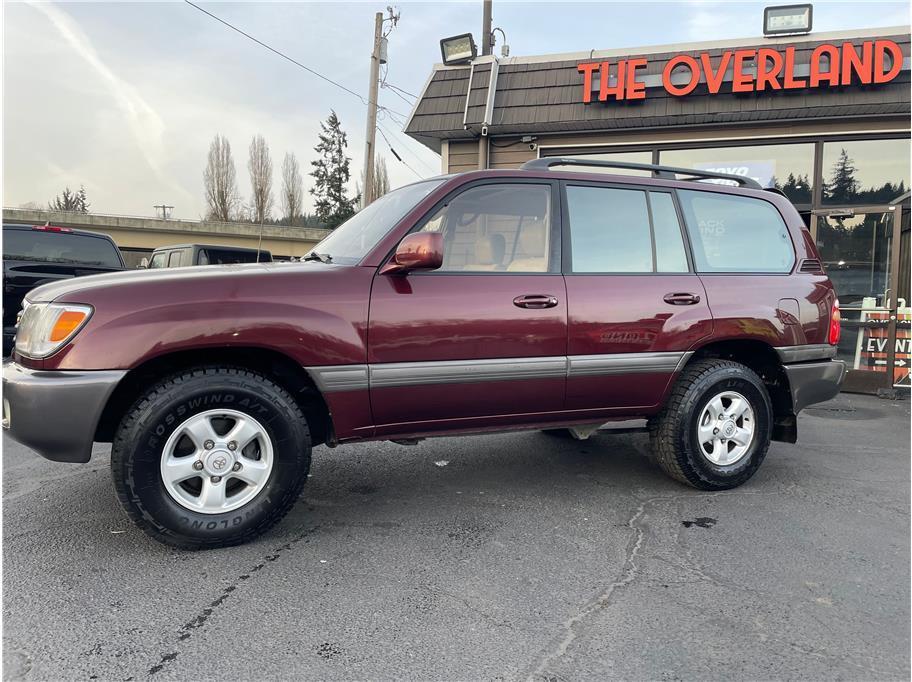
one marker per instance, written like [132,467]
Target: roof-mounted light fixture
[787,19]
[458,49]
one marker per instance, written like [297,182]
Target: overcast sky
[125,98]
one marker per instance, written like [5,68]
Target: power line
[417,158]
[399,158]
[286,57]
[396,87]
[399,96]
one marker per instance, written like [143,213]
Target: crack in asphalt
[187,630]
[629,573]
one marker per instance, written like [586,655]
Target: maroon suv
[486,301]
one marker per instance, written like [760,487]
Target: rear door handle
[681,299]
[535,301]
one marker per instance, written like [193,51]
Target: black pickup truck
[37,254]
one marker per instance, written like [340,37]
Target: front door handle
[535,301]
[681,299]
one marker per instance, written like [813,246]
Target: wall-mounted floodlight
[787,19]
[458,49]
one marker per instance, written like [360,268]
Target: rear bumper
[55,413]
[814,382]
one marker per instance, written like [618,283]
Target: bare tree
[220,181]
[379,181]
[292,188]
[260,167]
[381,184]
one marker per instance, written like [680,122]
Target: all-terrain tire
[673,432]
[137,452]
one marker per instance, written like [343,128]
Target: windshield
[351,241]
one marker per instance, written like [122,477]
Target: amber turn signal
[66,324]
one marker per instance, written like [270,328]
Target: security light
[458,49]
[787,19]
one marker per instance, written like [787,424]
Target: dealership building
[823,117]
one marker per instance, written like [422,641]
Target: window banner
[871,350]
[762,171]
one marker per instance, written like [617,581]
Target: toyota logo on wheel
[219,463]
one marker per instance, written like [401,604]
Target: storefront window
[788,167]
[865,171]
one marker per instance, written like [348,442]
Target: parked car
[182,255]
[37,254]
[487,301]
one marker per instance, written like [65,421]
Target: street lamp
[787,19]
[458,49]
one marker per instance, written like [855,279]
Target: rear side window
[623,230]
[225,257]
[59,247]
[736,234]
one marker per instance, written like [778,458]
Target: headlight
[45,327]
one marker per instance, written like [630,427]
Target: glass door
[859,249]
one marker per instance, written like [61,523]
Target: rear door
[483,340]
[635,306]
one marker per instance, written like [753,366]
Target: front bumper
[814,382]
[55,413]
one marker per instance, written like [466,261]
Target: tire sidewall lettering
[146,489]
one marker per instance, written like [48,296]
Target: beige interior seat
[533,248]
[489,253]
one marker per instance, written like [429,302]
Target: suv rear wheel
[211,457]
[714,431]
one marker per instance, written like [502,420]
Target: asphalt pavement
[502,557]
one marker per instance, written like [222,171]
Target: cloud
[144,122]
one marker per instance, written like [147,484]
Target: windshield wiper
[321,257]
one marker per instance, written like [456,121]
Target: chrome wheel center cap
[218,462]
[728,428]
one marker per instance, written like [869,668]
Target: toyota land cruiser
[491,300]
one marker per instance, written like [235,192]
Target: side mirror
[143,263]
[418,251]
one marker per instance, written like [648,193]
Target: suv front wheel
[211,457]
[714,431]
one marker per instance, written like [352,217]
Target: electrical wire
[364,101]
[399,158]
[417,158]
[396,87]
[400,97]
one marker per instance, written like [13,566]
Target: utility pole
[486,46]
[370,137]
[165,210]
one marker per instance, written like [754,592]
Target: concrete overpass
[137,236]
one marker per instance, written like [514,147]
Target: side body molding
[338,378]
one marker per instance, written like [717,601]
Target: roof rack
[665,172]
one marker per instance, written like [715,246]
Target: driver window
[495,228]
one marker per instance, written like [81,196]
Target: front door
[859,249]
[483,340]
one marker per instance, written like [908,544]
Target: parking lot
[498,558]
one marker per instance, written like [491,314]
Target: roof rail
[666,172]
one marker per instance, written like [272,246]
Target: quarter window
[496,228]
[736,234]
[611,231]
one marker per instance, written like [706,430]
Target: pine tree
[842,185]
[82,202]
[331,174]
[75,202]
